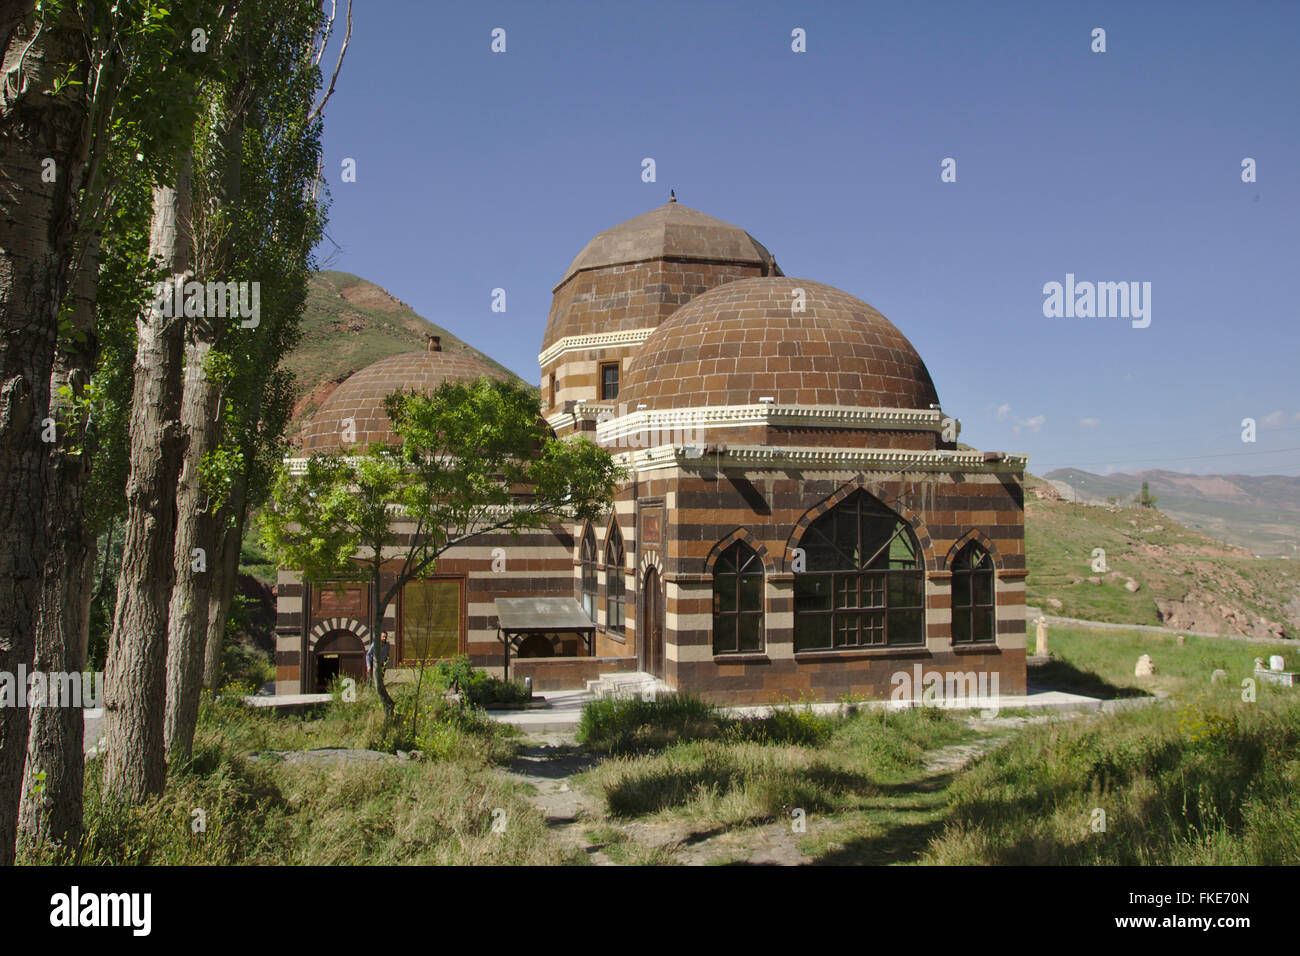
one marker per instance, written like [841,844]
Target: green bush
[633,725]
[476,686]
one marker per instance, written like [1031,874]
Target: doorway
[652,646]
[339,654]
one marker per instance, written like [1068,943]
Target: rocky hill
[350,323]
[1156,570]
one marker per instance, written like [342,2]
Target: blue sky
[478,170]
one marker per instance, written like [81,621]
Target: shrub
[633,725]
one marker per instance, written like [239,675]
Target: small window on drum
[972,597]
[609,381]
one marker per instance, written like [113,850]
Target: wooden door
[652,653]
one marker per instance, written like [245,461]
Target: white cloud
[1273,419]
[1003,411]
[1033,424]
[1089,422]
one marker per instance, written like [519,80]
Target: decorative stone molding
[582,412]
[861,459]
[740,534]
[980,538]
[650,559]
[601,340]
[337,624]
[740,416]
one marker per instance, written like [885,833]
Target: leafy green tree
[475,457]
[1145,499]
[257,218]
[80,82]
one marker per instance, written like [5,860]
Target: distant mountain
[1258,512]
[350,323]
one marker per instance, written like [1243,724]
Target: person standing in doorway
[383,652]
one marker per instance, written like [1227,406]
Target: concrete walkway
[566,708]
[92,722]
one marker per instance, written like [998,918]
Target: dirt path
[544,765]
[547,763]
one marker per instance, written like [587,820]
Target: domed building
[798,521]
[354,415]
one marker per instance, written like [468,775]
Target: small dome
[742,341]
[361,396]
[671,230]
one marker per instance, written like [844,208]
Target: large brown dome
[634,275]
[671,230]
[741,342]
[361,397]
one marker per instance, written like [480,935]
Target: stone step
[627,685]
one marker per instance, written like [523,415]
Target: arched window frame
[587,555]
[615,585]
[738,585]
[864,582]
[974,596]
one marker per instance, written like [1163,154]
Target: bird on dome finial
[672,195]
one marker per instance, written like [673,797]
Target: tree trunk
[197,538]
[40,135]
[134,765]
[50,812]
[223,588]
[86,594]
[197,561]
[379,665]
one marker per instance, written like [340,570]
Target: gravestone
[1145,666]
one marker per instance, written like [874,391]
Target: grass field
[1207,775]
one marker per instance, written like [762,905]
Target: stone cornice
[864,459]
[600,340]
[582,412]
[621,423]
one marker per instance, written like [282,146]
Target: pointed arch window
[615,597]
[863,583]
[973,619]
[738,601]
[588,555]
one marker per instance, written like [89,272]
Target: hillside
[1258,512]
[1184,578]
[350,323]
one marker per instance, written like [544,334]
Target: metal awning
[520,617]
[540,614]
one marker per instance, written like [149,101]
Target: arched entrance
[652,642]
[339,654]
[535,645]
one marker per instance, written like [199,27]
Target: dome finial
[672,195]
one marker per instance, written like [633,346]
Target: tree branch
[347,36]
